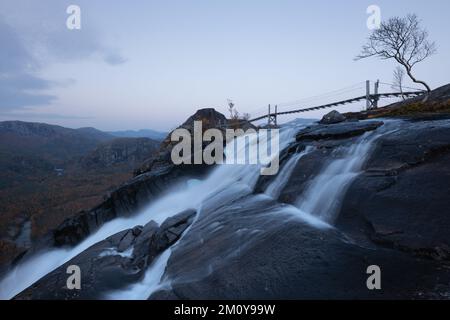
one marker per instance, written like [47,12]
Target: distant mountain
[96,134]
[48,173]
[52,143]
[143,133]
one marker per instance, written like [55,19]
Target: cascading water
[274,189]
[224,186]
[150,283]
[325,193]
[226,182]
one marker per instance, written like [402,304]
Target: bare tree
[231,107]
[401,39]
[399,75]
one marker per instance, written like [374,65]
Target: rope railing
[342,102]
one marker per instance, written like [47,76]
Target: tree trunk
[408,71]
[401,90]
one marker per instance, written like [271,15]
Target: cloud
[33,39]
[19,87]
[62,45]
[114,59]
[13,55]
[41,115]
[21,90]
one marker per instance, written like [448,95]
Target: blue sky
[150,64]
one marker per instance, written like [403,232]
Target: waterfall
[276,186]
[151,282]
[225,183]
[153,278]
[324,195]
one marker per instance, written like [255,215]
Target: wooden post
[276,108]
[375,98]
[367,94]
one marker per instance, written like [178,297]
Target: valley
[50,173]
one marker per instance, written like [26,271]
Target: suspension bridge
[371,99]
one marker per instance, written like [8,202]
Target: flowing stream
[225,184]
[326,191]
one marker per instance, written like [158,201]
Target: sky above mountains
[151,64]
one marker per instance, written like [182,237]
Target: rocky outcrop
[332,117]
[113,263]
[402,197]
[279,256]
[394,215]
[124,201]
[209,117]
[157,175]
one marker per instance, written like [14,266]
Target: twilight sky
[151,64]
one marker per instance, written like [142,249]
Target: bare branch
[401,39]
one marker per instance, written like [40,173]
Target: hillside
[437,103]
[143,133]
[50,142]
[49,173]
[130,152]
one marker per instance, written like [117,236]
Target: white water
[241,184]
[275,187]
[151,282]
[224,182]
[324,195]
[113,252]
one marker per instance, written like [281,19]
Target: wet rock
[113,263]
[127,240]
[332,117]
[157,175]
[341,130]
[279,256]
[127,199]
[394,215]
[401,201]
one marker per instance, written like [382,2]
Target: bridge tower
[367,94]
[372,99]
[376,97]
[272,117]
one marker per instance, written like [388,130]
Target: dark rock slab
[157,175]
[402,200]
[124,201]
[341,130]
[241,251]
[113,263]
[394,215]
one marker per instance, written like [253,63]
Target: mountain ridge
[141,133]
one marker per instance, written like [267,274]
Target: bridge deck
[329,105]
